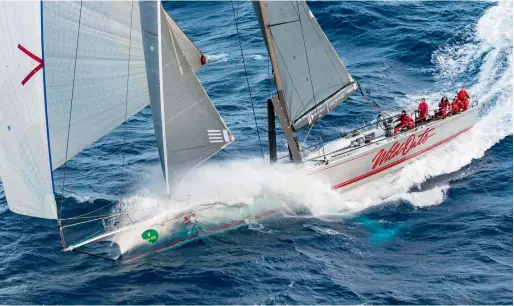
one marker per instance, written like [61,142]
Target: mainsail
[188,128]
[314,78]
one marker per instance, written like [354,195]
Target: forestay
[314,78]
[189,130]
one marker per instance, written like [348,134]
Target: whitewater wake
[486,51]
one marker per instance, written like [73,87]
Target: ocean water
[437,232]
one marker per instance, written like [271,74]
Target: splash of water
[217,57]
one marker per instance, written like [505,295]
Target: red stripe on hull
[447,120]
[356,179]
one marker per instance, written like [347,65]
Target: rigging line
[90,236]
[71,108]
[247,80]
[126,108]
[305,7]
[94,255]
[371,102]
[88,213]
[107,215]
[92,220]
[308,133]
[308,66]
[294,85]
[104,217]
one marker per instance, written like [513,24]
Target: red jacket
[463,95]
[423,109]
[455,107]
[444,105]
[404,119]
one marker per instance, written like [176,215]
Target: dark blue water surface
[445,239]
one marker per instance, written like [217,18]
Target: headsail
[95,71]
[188,127]
[315,80]
[191,52]
[75,71]
[24,151]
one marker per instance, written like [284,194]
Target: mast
[272,133]
[279,103]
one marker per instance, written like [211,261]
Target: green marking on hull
[150,235]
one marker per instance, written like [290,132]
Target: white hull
[340,166]
[346,168]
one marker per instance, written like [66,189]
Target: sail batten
[314,79]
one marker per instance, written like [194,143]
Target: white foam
[217,57]
[257,57]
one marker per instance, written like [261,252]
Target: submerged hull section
[174,229]
[344,169]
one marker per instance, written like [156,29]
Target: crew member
[443,106]
[463,98]
[423,111]
[456,105]
[405,122]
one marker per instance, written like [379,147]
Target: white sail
[75,71]
[188,128]
[314,78]
[24,156]
[191,52]
[90,88]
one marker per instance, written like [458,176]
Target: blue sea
[439,231]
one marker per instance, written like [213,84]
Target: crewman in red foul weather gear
[444,104]
[405,122]
[463,98]
[423,111]
[456,105]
